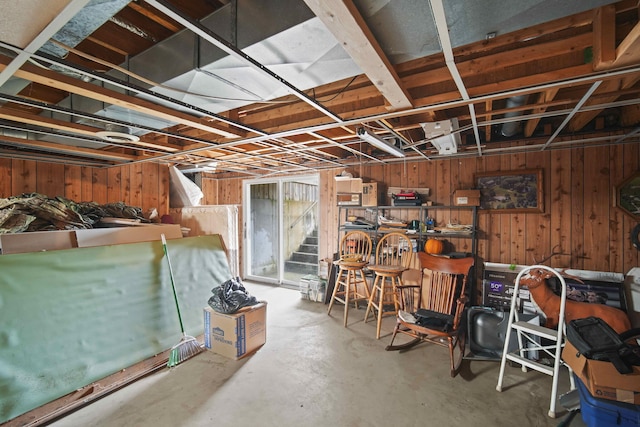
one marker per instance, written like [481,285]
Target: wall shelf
[367,220]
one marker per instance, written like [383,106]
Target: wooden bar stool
[351,284]
[393,256]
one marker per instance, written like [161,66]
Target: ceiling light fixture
[117,136]
[443,135]
[380,143]
[117,133]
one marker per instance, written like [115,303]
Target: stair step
[304,257]
[530,363]
[310,249]
[301,267]
[541,331]
[311,240]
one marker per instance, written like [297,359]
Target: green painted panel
[72,317]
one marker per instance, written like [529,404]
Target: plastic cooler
[604,412]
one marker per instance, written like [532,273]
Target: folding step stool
[527,343]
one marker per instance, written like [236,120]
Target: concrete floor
[315,372]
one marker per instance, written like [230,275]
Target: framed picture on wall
[627,196]
[511,191]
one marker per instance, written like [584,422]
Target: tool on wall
[188,345]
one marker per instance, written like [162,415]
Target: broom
[188,345]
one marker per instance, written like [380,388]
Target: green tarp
[72,317]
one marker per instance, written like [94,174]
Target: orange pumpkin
[434,246]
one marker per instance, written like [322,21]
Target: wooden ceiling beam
[65,126]
[488,106]
[146,12]
[543,98]
[580,120]
[604,37]
[344,21]
[628,52]
[66,149]
[92,91]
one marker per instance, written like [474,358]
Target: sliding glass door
[281,229]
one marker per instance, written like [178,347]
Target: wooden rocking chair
[433,312]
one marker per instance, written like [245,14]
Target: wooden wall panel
[578,249]
[23,176]
[150,190]
[73,183]
[579,214]
[616,220]
[502,223]
[210,191]
[596,207]
[48,180]
[125,178]
[493,223]
[99,186]
[518,222]
[559,206]
[538,226]
[86,184]
[5,178]
[114,185]
[579,221]
[630,164]
[135,175]
[163,190]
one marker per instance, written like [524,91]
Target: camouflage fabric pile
[36,212]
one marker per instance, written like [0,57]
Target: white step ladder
[530,340]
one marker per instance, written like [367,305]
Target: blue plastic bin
[603,412]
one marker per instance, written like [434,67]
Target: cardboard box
[466,198]
[602,379]
[370,194]
[348,185]
[349,199]
[121,235]
[37,241]
[236,335]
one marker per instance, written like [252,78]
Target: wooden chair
[436,307]
[393,256]
[351,283]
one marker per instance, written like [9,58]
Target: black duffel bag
[596,340]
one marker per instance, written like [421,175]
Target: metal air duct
[512,127]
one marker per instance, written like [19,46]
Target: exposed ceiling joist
[59,148]
[223,44]
[111,97]
[544,98]
[344,21]
[628,52]
[545,56]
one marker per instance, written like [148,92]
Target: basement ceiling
[280,86]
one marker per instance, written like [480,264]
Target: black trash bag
[230,297]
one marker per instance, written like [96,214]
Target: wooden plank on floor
[89,393]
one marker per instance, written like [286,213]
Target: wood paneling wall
[580,220]
[144,185]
